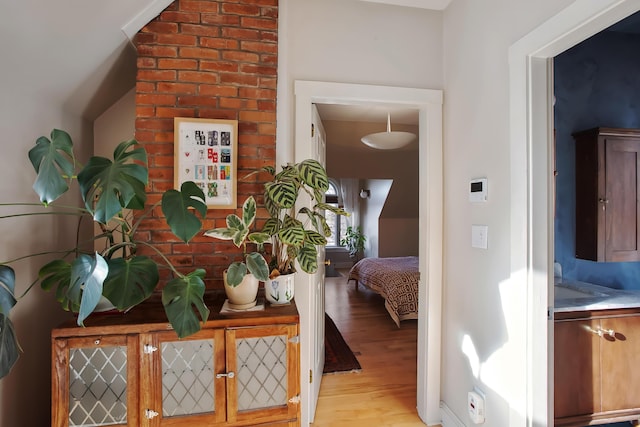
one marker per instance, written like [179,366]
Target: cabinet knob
[150,414]
[602,332]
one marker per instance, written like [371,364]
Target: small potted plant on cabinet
[111,189]
[295,235]
[241,279]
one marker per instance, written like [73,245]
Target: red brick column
[206,59]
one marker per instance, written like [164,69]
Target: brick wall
[206,59]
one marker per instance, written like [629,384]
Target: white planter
[279,290]
[244,295]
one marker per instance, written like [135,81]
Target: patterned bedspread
[395,279]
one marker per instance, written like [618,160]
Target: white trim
[449,419]
[429,104]
[155,8]
[530,84]
[421,4]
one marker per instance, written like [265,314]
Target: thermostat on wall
[478,190]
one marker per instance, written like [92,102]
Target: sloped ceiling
[74,52]
[79,52]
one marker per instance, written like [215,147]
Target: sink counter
[582,296]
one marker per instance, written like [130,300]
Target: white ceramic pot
[279,290]
[244,295]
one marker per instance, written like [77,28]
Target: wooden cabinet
[596,367]
[131,370]
[607,191]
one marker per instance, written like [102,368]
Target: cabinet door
[621,199]
[265,386]
[94,381]
[576,371]
[182,379]
[620,373]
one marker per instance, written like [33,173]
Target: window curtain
[349,195]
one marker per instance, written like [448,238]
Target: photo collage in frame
[206,153]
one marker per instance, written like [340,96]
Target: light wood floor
[384,392]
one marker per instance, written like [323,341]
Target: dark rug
[330,271]
[338,357]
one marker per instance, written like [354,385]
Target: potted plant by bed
[296,232]
[111,190]
[241,279]
[354,240]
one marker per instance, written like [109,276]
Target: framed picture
[206,152]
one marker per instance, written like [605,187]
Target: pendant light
[388,140]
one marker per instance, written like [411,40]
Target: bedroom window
[338,224]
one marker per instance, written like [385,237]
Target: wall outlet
[475,406]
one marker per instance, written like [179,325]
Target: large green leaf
[9,347]
[7,289]
[234,222]
[292,235]
[258,266]
[107,187]
[282,194]
[314,175]
[58,273]
[308,258]
[271,226]
[175,206]
[222,233]
[130,281]
[249,211]
[54,163]
[258,237]
[180,296]
[315,238]
[235,273]
[336,210]
[79,284]
[87,276]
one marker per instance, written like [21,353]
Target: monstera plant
[114,196]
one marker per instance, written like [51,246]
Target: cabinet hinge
[313,130]
[295,399]
[549,313]
[310,376]
[148,349]
[295,340]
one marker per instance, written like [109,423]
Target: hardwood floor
[384,392]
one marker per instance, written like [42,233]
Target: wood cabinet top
[149,316]
[604,131]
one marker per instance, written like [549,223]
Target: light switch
[479,236]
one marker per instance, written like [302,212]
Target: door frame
[429,104]
[532,192]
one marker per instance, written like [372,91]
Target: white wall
[350,41]
[485,311]
[25,392]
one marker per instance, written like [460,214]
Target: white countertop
[581,296]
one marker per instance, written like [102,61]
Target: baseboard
[449,419]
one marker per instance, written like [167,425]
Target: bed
[395,279]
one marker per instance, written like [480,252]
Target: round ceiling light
[389,140]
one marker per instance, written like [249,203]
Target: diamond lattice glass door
[98,373]
[188,372]
[264,381]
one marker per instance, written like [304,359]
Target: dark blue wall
[597,84]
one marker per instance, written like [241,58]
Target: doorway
[429,105]
[531,136]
